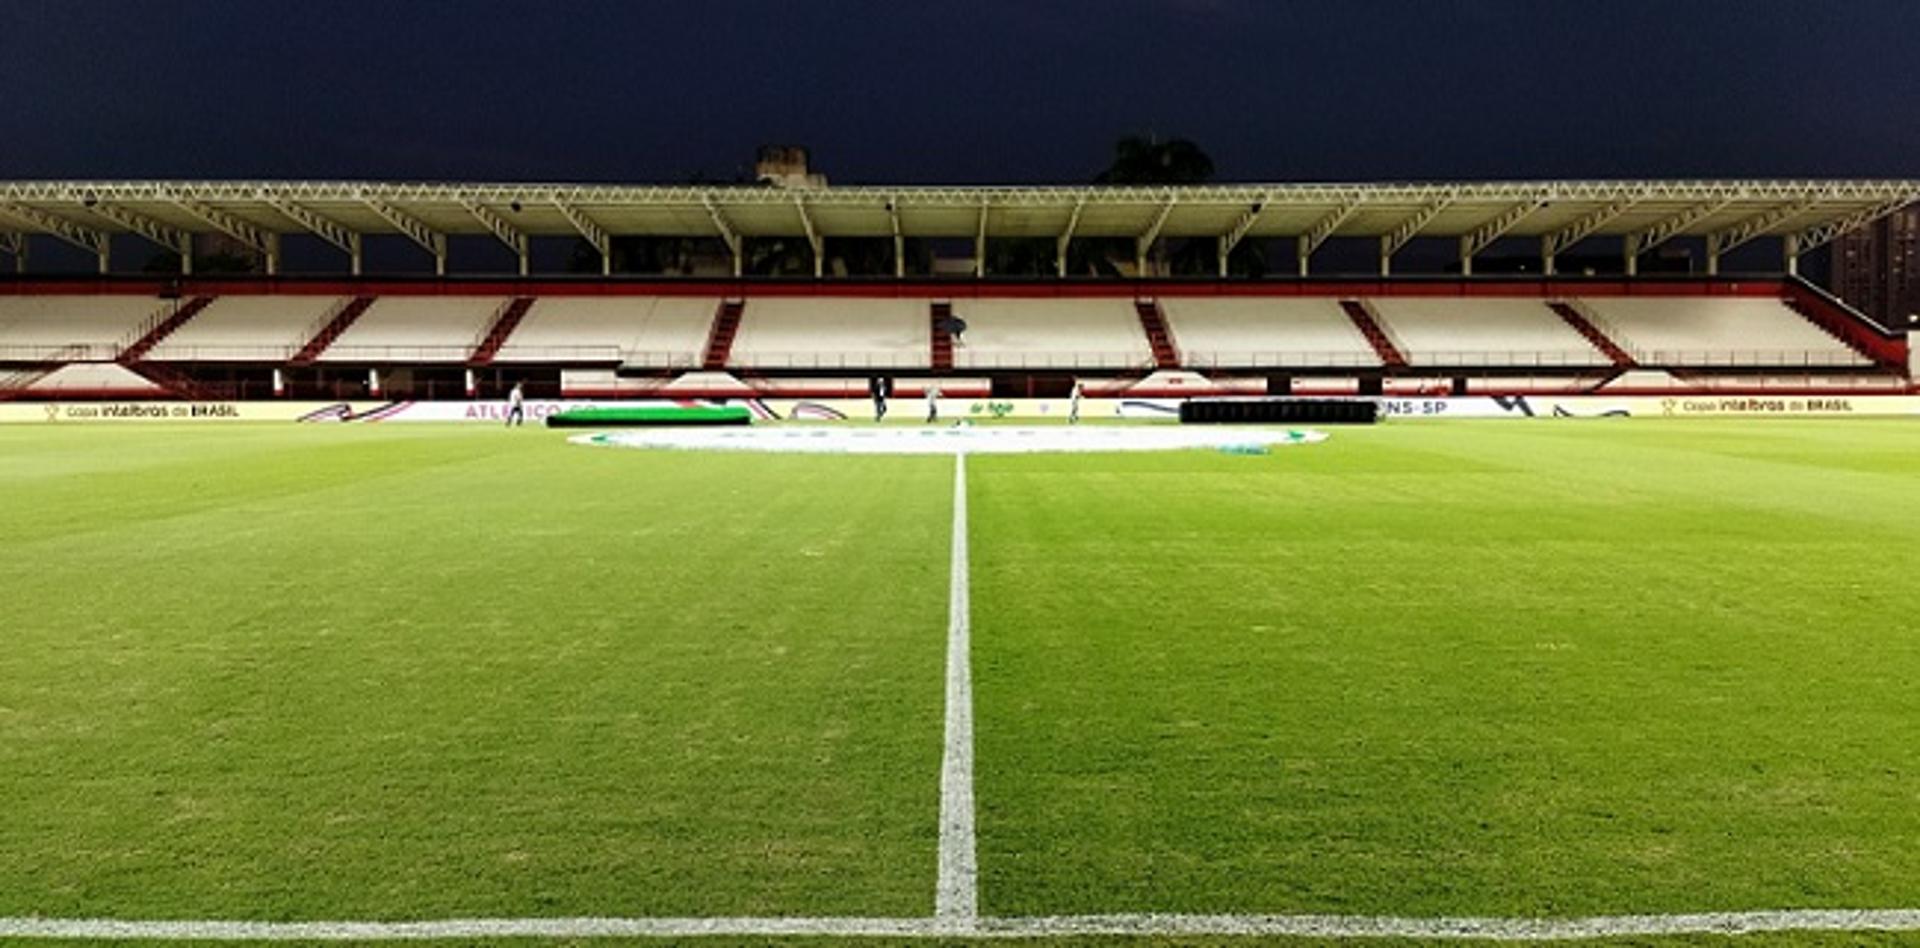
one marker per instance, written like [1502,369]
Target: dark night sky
[1015,91]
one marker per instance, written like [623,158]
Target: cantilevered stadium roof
[1806,213]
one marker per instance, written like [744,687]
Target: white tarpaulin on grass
[966,439]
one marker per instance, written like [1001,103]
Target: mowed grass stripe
[496,676]
[1528,670]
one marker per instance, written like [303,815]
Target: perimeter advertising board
[953,409]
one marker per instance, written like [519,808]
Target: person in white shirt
[1073,404]
[516,406]
[933,403]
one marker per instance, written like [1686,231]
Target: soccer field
[1520,670]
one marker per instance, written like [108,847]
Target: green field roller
[661,416]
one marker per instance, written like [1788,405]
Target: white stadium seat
[664,331]
[1238,332]
[1486,331]
[416,329]
[73,328]
[834,332]
[1051,333]
[247,329]
[1709,331]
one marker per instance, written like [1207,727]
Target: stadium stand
[75,328]
[1244,332]
[247,329]
[417,329]
[1436,333]
[816,332]
[1717,331]
[653,331]
[1051,333]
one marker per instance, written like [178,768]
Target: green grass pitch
[1541,668]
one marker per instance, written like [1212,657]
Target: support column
[1304,255]
[20,253]
[1386,258]
[472,384]
[899,256]
[1713,263]
[373,382]
[739,259]
[279,384]
[1789,251]
[1546,256]
[1223,256]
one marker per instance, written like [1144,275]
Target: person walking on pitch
[1073,404]
[933,403]
[881,388]
[516,406]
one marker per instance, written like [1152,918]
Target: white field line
[1314,926]
[956,899]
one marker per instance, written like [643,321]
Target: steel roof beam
[734,244]
[1144,242]
[1319,195]
[96,242]
[1066,236]
[899,238]
[432,241]
[1321,230]
[591,231]
[322,227]
[15,244]
[1828,231]
[1482,237]
[1556,243]
[980,244]
[1406,230]
[170,238]
[515,238]
[1238,231]
[1744,231]
[814,240]
[266,243]
[1667,228]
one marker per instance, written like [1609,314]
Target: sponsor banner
[88,412]
[764,409]
[953,409]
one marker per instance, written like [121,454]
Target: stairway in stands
[1363,320]
[942,339]
[503,326]
[1834,317]
[726,323]
[1581,324]
[336,325]
[14,383]
[179,384]
[1165,354]
[160,327]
